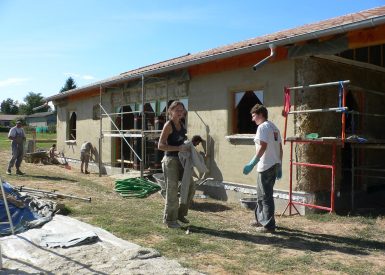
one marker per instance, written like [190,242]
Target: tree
[33,100]
[9,107]
[69,85]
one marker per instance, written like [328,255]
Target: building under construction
[335,72]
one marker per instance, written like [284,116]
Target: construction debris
[49,194]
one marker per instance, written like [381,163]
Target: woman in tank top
[171,141]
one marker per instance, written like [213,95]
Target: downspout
[263,61]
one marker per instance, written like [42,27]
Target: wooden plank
[125,161]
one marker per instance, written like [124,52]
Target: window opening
[244,101]
[72,127]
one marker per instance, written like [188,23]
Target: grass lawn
[219,239]
[5,143]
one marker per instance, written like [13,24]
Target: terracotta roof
[271,38]
[331,26]
[10,117]
[41,114]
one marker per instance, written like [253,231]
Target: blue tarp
[22,218]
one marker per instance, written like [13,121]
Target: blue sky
[43,42]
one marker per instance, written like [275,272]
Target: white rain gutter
[372,22]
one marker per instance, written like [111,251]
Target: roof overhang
[366,23]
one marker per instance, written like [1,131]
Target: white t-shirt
[18,133]
[269,133]
[86,147]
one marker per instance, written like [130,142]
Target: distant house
[6,120]
[41,119]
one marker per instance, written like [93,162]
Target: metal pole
[121,145]
[7,208]
[166,114]
[319,85]
[343,118]
[333,178]
[291,177]
[142,133]
[101,131]
[286,116]
[49,193]
[336,109]
[352,175]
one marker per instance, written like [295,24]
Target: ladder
[9,218]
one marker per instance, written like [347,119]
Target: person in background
[85,155]
[17,135]
[172,141]
[268,158]
[196,140]
[53,155]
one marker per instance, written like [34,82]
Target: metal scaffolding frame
[334,142]
[124,134]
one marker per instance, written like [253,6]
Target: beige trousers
[173,172]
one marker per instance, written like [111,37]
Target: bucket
[249,203]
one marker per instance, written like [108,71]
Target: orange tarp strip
[367,37]
[235,62]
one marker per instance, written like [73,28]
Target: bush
[29,129]
[52,128]
[4,129]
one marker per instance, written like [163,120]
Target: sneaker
[255,224]
[8,172]
[265,230]
[173,225]
[86,172]
[18,172]
[183,219]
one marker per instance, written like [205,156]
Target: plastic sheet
[22,218]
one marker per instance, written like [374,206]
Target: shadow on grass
[50,178]
[209,207]
[299,240]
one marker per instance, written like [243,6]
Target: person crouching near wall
[171,141]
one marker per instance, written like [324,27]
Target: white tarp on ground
[22,253]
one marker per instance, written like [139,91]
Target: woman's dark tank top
[176,138]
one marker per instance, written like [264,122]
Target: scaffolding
[334,142]
[354,141]
[139,134]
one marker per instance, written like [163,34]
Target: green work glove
[248,167]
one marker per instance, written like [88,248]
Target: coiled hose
[135,188]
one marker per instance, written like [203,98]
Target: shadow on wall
[70,147]
[96,157]
[214,191]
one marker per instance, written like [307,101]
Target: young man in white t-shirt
[268,158]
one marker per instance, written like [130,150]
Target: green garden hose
[135,188]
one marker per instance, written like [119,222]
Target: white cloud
[13,81]
[88,77]
[84,77]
